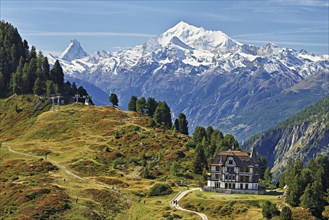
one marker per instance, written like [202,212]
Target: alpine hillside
[240,89]
[303,136]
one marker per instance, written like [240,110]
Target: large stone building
[235,172]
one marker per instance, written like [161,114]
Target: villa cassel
[234,172]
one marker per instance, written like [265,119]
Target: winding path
[52,161]
[179,196]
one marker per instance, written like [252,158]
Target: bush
[269,210]
[286,213]
[160,189]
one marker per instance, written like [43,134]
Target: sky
[115,25]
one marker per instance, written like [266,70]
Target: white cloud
[84,33]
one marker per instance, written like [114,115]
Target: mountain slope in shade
[304,135]
[212,78]
[73,51]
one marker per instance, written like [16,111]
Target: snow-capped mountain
[212,78]
[73,51]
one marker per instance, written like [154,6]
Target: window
[230,162]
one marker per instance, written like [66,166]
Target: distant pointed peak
[73,51]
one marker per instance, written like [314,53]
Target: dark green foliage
[162,115]
[209,132]
[282,180]
[176,125]
[24,71]
[57,75]
[74,88]
[82,91]
[50,88]
[199,134]
[262,166]
[141,105]
[2,85]
[200,160]
[114,99]
[313,198]
[151,106]
[160,189]
[230,142]
[37,88]
[268,175]
[132,104]
[182,124]
[269,210]
[306,185]
[286,213]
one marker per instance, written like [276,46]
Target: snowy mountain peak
[198,38]
[73,51]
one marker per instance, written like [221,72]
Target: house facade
[234,171]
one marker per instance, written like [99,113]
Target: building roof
[241,158]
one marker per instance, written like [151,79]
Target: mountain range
[215,80]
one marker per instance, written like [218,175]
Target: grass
[227,206]
[107,147]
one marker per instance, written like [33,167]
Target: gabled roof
[241,158]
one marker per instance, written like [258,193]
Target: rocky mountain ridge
[303,136]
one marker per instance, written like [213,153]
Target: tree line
[208,143]
[26,71]
[308,186]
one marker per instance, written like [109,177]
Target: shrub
[160,189]
[269,210]
[286,213]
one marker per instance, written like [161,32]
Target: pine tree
[230,142]
[198,134]
[74,88]
[313,198]
[151,106]
[182,122]
[209,132]
[162,115]
[2,85]
[37,88]
[50,88]
[32,73]
[114,99]
[176,125]
[82,92]
[295,190]
[268,175]
[141,105]
[57,74]
[200,160]
[45,68]
[262,166]
[25,85]
[132,103]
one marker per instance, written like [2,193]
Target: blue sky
[114,25]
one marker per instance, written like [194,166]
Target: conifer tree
[209,132]
[132,104]
[176,125]
[141,105]
[198,134]
[50,88]
[74,88]
[2,85]
[25,85]
[57,75]
[182,122]
[45,68]
[313,198]
[82,92]
[162,115]
[114,99]
[151,106]
[200,160]
[37,88]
